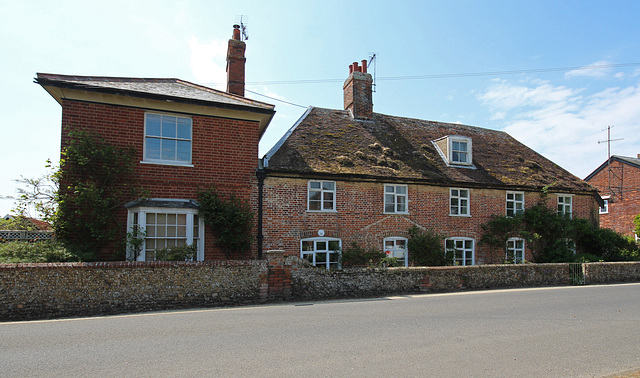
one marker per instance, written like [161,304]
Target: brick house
[618,180]
[352,175]
[187,137]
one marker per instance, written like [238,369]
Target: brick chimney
[235,63]
[358,97]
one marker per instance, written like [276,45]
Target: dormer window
[455,150]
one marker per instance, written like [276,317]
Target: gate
[576,273]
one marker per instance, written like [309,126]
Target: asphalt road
[542,332]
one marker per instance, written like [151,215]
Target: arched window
[321,251]
[397,247]
[515,250]
[462,250]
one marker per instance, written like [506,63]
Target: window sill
[396,213]
[164,162]
[460,215]
[322,211]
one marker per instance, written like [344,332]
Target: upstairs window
[455,149]
[565,204]
[322,195]
[395,199]
[459,202]
[515,203]
[605,206]
[167,139]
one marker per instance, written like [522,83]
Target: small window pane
[315,185]
[321,246]
[334,245]
[184,128]
[152,148]
[183,150]
[328,185]
[168,149]
[153,125]
[307,245]
[168,126]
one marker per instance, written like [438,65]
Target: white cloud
[203,62]
[566,124]
[597,70]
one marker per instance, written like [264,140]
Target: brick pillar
[278,276]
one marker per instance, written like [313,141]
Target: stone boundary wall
[41,291]
[308,283]
[37,291]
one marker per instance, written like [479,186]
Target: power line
[276,99]
[453,75]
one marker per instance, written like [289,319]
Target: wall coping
[129,264]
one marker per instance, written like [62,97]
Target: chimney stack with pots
[235,63]
[358,96]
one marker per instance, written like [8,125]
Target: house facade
[618,180]
[186,137]
[344,176]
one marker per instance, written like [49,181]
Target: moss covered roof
[329,142]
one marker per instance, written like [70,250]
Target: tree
[38,195]
[95,180]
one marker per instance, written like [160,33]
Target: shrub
[358,256]
[182,253]
[37,252]
[426,248]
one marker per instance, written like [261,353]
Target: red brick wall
[224,154]
[359,216]
[624,204]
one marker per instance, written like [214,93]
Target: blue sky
[432,57]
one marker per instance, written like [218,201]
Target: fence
[17,235]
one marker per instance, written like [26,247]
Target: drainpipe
[261,175]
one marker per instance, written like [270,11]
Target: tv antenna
[609,140]
[372,59]
[243,27]
[612,175]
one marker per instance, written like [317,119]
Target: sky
[553,74]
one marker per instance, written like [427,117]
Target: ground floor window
[164,228]
[397,247]
[324,252]
[462,250]
[515,250]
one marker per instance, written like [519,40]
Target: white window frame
[323,192]
[402,254]
[565,207]
[605,209]
[463,258]
[467,153]
[153,160]
[396,198]
[455,195]
[515,253]
[142,224]
[312,255]
[517,205]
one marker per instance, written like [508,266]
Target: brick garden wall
[37,291]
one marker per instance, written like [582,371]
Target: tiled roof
[326,141]
[634,162]
[170,88]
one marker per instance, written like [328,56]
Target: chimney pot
[236,32]
[364,66]
[355,67]
[350,68]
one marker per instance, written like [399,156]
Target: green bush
[182,253]
[37,252]
[358,256]
[426,248]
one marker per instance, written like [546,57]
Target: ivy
[231,220]
[427,249]
[554,238]
[95,180]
